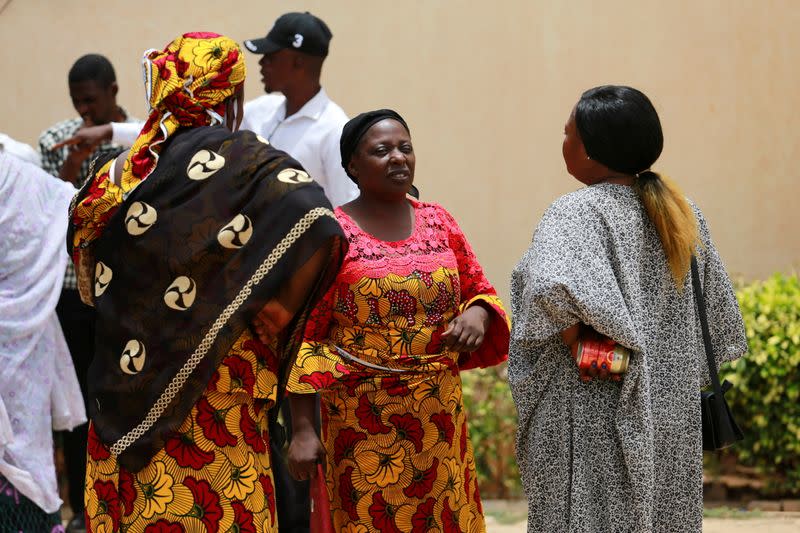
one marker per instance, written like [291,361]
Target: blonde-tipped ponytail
[673,219]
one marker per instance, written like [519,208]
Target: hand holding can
[599,356]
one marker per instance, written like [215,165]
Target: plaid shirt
[53,160]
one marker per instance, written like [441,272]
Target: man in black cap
[302,120]
[305,123]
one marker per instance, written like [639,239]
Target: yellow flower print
[106,526]
[266,383]
[371,287]
[157,492]
[429,388]
[455,478]
[335,406]
[243,480]
[209,54]
[354,336]
[308,355]
[355,528]
[402,339]
[389,468]
[398,283]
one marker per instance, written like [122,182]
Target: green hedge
[492,420]
[767,383]
[765,400]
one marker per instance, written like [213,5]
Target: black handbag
[292,501]
[720,430]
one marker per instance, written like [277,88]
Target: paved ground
[767,523]
[509,517]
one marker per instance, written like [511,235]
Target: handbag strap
[701,311]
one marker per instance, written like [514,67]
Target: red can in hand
[607,354]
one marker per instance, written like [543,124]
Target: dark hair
[357,127]
[92,67]
[619,128]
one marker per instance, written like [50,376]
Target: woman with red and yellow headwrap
[182,245]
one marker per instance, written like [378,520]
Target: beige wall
[486,88]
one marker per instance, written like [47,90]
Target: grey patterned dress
[606,456]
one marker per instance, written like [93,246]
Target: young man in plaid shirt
[93,89]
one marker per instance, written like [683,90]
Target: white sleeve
[339,188]
[125,133]
[19,149]
[246,123]
[251,116]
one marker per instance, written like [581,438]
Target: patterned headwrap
[186,84]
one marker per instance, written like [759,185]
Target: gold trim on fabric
[85,274]
[91,176]
[202,349]
[84,269]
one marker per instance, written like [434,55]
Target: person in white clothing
[302,120]
[39,389]
[20,150]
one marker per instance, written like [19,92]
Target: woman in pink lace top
[409,309]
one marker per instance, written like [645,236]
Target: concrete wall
[486,88]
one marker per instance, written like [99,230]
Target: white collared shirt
[311,136]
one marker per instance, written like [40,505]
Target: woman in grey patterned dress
[598,454]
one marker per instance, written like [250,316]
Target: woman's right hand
[305,452]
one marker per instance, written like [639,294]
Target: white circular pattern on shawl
[133,357]
[204,164]
[139,218]
[262,139]
[175,386]
[102,277]
[236,233]
[181,293]
[293,176]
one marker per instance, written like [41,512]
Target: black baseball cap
[298,31]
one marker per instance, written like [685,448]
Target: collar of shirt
[311,136]
[312,109]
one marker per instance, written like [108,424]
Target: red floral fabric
[213,475]
[399,457]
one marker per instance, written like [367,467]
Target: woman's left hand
[278,312]
[466,331]
[571,337]
[269,322]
